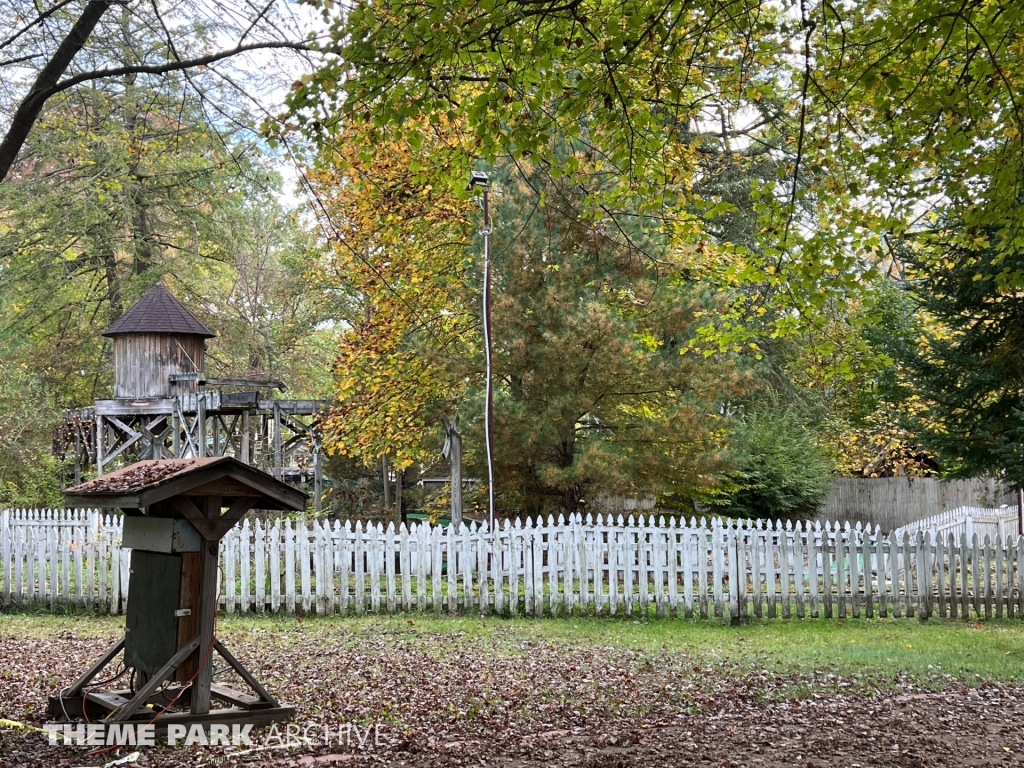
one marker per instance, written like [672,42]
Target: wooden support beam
[127,429]
[106,699]
[453,451]
[301,407]
[143,694]
[130,407]
[238,509]
[244,450]
[213,529]
[115,450]
[318,477]
[200,704]
[188,626]
[78,455]
[176,434]
[156,441]
[201,437]
[244,673]
[278,455]
[296,426]
[94,670]
[100,452]
[231,696]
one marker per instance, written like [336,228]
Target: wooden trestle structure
[165,407]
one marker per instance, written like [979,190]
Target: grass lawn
[877,652]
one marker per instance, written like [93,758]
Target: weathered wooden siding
[143,363]
[892,502]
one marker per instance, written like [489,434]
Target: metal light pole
[479,179]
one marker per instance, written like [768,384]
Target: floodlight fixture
[478,179]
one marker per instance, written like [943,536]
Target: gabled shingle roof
[148,482]
[159,311]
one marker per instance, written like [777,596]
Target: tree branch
[47,85]
[29,109]
[173,66]
[35,22]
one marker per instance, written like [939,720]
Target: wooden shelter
[176,512]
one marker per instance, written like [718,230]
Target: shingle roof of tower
[159,311]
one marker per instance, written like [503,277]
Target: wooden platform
[98,706]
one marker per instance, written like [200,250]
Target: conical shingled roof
[159,311]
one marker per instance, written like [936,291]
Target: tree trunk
[453,451]
[141,235]
[101,242]
[570,499]
[385,470]
[399,481]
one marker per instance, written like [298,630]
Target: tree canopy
[725,231]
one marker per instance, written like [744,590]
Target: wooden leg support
[94,670]
[261,709]
[156,680]
[245,674]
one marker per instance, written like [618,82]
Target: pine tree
[969,366]
[598,390]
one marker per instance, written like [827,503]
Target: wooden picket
[605,565]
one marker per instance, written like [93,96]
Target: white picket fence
[635,566]
[995,523]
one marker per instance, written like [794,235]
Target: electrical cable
[172,702]
[60,695]
[94,686]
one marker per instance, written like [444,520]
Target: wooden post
[318,477]
[176,430]
[1020,511]
[99,445]
[453,450]
[78,456]
[217,450]
[278,453]
[190,595]
[200,704]
[385,470]
[244,458]
[201,429]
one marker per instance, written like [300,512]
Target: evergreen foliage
[782,474]
[600,389]
[968,368]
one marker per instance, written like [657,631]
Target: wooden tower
[157,344]
[166,407]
